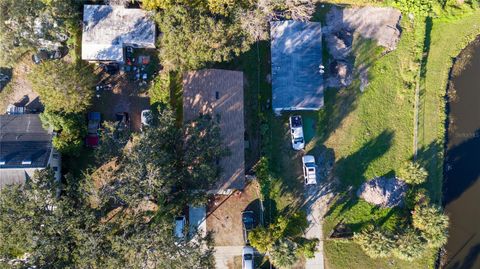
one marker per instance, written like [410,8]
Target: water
[462,165]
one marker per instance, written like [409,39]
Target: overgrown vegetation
[66,91]
[33,24]
[122,216]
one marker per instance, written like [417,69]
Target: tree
[30,24]
[413,173]
[375,243]
[64,87]
[71,129]
[432,223]
[409,246]
[263,239]
[191,38]
[282,254]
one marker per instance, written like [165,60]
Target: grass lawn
[371,133]
[447,38]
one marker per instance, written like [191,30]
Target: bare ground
[19,91]
[224,217]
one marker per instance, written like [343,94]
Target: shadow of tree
[461,168]
[351,169]
[469,261]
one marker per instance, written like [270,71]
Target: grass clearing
[448,36]
[371,134]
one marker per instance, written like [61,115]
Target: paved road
[224,255]
[316,204]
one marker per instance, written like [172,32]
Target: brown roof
[200,92]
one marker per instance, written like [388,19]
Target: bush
[413,173]
[71,129]
[409,246]
[282,254]
[432,223]
[159,91]
[375,243]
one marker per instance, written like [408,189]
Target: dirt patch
[126,95]
[379,24]
[224,215]
[19,90]
[383,192]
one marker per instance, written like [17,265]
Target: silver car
[247,258]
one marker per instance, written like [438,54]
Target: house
[296,51]
[25,147]
[220,94]
[107,29]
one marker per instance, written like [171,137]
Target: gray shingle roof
[296,49]
[106,29]
[22,138]
[220,92]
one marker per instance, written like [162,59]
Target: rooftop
[107,29]
[220,92]
[296,49]
[23,142]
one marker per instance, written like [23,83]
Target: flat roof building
[296,49]
[108,29]
[220,94]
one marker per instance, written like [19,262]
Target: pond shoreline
[459,146]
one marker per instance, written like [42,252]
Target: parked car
[122,121]
[309,170]
[111,68]
[44,54]
[248,221]
[296,131]
[180,227]
[247,258]
[93,129]
[146,117]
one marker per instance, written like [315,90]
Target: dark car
[111,68]
[249,222]
[44,54]
[122,121]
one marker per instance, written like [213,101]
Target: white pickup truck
[296,131]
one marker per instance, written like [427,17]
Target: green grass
[375,135]
[447,39]
[372,132]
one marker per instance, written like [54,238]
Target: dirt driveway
[224,220]
[126,96]
[19,91]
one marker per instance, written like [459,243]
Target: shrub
[376,243]
[432,223]
[409,246]
[413,173]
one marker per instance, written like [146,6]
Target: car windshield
[311,170]
[248,257]
[298,140]
[296,121]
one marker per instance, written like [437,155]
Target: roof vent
[26,162]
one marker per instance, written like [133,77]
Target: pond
[462,163]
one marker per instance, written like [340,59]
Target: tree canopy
[63,86]
[31,24]
[130,222]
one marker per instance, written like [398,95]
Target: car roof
[308,159]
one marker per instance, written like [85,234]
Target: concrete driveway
[316,200]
